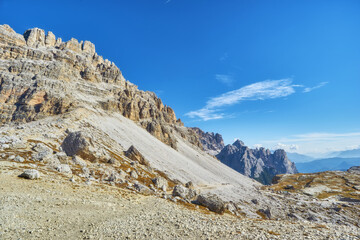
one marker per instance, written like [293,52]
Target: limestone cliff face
[259,164]
[212,143]
[40,75]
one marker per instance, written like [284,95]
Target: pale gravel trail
[54,208]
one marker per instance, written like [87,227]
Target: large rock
[30,174]
[142,189]
[42,152]
[160,183]
[80,143]
[183,192]
[135,155]
[63,168]
[212,202]
[354,170]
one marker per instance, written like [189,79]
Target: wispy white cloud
[257,91]
[205,114]
[268,89]
[257,146]
[309,89]
[310,137]
[286,147]
[224,78]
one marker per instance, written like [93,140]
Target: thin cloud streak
[309,89]
[205,114]
[225,79]
[316,137]
[268,89]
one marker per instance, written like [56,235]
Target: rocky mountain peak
[259,164]
[42,76]
[211,142]
[239,144]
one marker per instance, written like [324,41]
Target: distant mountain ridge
[327,164]
[296,157]
[349,153]
[260,164]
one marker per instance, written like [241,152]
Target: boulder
[142,189]
[78,161]
[134,174]
[160,183]
[212,202]
[81,144]
[183,192]
[115,177]
[189,185]
[30,174]
[316,190]
[135,155]
[63,168]
[42,152]
[62,157]
[19,159]
[266,214]
[354,170]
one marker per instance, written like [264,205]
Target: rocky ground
[53,207]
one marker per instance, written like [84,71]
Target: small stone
[19,159]
[190,185]
[111,161]
[265,213]
[134,174]
[63,168]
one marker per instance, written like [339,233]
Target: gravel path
[54,208]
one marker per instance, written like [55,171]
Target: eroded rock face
[40,76]
[259,164]
[212,143]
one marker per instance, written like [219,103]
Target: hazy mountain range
[339,160]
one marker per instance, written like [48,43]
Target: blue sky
[272,73]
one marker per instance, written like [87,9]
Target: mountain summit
[259,164]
